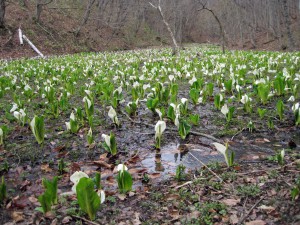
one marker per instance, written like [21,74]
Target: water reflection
[158,164]
[180,155]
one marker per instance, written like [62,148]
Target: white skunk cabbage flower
[184,100]
[75,178]
[200,100]
[14,107]
[225,109]
[238,87]
[68,125]
[222,149]
[176,121]
[47,89]
[72,116]
[88,92]
[295,107]
[245,99]
[27,87]
[101,194]
[1,136]
[159,113]
[90,132]
[282,153]
[145,86]
[160,128]
[88,101]
[106,139]
[291,99]
[17,115]
[136,84]
[113,115]
[171,78]
[122,167]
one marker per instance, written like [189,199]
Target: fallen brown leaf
[137,170]
[136,220]
[134,159]
[271,193]
[66,219]
[131,193]
[103,164]
[17,216]
[74,167]
[256,222]
[46,168]
[231,202]
[20,202]
[59,148]
[122,197]
[234,219]
[266,208]
[24,185]
[54,222]
[154,175]
[174,213]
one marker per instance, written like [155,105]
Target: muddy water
[171,155]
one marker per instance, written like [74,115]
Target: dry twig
[85,220]
[250,210]
[203,164]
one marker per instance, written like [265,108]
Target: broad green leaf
[51,189]
[88,199]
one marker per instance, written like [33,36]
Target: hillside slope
[54,34]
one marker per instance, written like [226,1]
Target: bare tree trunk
[222,33]
[175,45]
[288,24]
[2,13]
[39,8]
[86,16]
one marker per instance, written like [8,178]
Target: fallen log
[20,36]
[33,46]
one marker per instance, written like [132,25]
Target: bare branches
[86,16]
[175,45]
[222,33]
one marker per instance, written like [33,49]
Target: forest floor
[257,190]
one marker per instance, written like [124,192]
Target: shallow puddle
[165,160]
[170,156]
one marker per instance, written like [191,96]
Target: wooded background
[125,24]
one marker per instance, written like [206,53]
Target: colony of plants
[74,129]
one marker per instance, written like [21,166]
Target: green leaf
[171,113]
[51,189]
[152,103]
[295,192]
[280,109]
[113,144]
[2,190]
[38,128]
[45,200]
[88,199]
[184,129]
[194,94]
[97,180]
[124,181]
[74,126]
